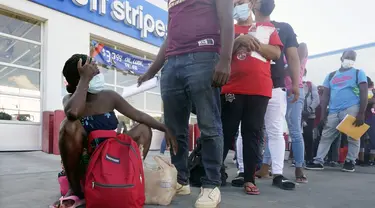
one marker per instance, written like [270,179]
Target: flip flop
[251,189]
[301,179]
[77,202]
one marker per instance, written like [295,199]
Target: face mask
[96,84]
[347,63]
[304,79]
[241,12]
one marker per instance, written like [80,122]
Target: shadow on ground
[29,179]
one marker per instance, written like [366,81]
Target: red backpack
[114,177]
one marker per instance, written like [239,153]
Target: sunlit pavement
[29,179]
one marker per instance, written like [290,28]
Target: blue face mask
[96,84]
[241,12]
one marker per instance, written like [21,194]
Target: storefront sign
[141,19]
[120,60]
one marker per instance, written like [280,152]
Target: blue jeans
[293,118]
[186,80]
[163,146]
[330,133]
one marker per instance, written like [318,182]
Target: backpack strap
[331,75]
[356,76]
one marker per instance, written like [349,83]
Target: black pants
[309,139]
[250,111]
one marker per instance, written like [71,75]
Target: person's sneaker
[183,189]
[371,163]
[314,166]
[348,166]
[208,198]
[239,181]
[283,183]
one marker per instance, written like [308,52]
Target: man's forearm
[159,61]
[270,52]
[293,64]
[323,106]
[225,12]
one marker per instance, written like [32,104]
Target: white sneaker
[183,189]
[208,198]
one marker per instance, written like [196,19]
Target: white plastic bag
[160,182]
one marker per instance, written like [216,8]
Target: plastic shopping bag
[160,182]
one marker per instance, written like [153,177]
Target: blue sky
[327,25]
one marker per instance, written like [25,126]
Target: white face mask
[241,12]
[96,84]
[347,63]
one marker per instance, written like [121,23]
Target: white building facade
[38,36]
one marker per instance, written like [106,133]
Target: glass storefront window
[15,106]
[20,68]
[20,26]
[109,74]
[13,77]
[18,52]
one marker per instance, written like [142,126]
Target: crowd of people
[244,80]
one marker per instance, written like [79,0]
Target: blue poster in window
[110,57]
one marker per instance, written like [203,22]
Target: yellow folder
[346,126]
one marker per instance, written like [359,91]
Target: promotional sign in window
[119,60]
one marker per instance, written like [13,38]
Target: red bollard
[58,118]
[47,132]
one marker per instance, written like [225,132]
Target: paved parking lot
[29,179]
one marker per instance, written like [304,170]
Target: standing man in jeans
[276,109]
[198,30]
[346,92]
[245,96]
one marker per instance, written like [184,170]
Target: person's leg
[177,108]
[231,113]
[293,118]
[252,123]
[142,135]
[371,134]
[198,72]
[329,134]
[309,140]
[163,146]
[71,148]
[353,144]
[336,149]
[239,154]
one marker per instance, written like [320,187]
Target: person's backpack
[332,74]
[195,166]
[114,177]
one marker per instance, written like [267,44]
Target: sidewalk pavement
[29,179]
